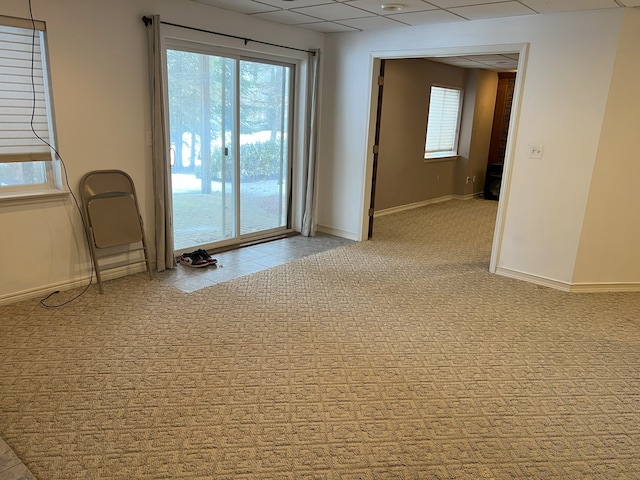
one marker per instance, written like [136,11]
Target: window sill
[34,196]
[444,158]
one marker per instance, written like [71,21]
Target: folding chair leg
[94,259]
[145,251]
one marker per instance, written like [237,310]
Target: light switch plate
[535,150]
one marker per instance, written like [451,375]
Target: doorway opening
[499,135]
[466,58]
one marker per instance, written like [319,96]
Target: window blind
[442,123]
[22,73]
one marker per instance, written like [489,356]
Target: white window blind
[22,74]
[443,121]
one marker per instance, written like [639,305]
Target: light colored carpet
[396,358]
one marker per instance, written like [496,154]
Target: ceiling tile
[504,64]
[549,6]
[372,23]
[493,10]
[298,3]
[374,6]
[327,27]
[286,16]
[486,62]
[367,15]
[334,11]
[424,18]
[242,6]
[492,57]
[461,3]
[456,61]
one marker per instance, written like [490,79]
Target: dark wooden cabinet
[501,116]
[499,134]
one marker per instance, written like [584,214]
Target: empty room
[320,239]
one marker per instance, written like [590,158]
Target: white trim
[468,196]
[25,23]
[446,158]
[505,185]
[374,67]
[298,65]
[43,291]
[458,51]
[569,287]
[31,144]
[605,287]
[527,277]
[33,196]
[369,140]
[411,206]
[338,233]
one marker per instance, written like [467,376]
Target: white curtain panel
[160,158]
[309,217]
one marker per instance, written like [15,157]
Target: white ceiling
[495,62]
[353,15]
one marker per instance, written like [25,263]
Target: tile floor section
[11,468]
[244,261]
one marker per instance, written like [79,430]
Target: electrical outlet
[468,179]
[473,179]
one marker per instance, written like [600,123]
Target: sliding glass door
[264,132]
[229,125]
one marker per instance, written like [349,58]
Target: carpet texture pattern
[395,358]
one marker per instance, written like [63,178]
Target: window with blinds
[26,131]
[443,122]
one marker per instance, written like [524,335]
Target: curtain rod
[148,20]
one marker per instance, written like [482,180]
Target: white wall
[99,70]
[609,249]
[99,74]
[475,130]
[565,86]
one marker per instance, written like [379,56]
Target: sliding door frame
[295,132]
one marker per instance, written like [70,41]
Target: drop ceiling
[494,62]
[332,16]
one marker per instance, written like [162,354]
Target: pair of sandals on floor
[197,259]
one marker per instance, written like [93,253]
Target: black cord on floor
[64,169]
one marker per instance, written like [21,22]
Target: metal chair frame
[112,218]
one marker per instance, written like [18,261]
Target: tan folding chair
[112,217]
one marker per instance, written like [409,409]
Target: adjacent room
[377,240]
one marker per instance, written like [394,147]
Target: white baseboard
[468,196]
[43,291]
[605,287]
[535,279]
[411,206]
[569,287]
[337,232]
[387,211]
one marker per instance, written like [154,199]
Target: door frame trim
[238,55]
[374,67]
